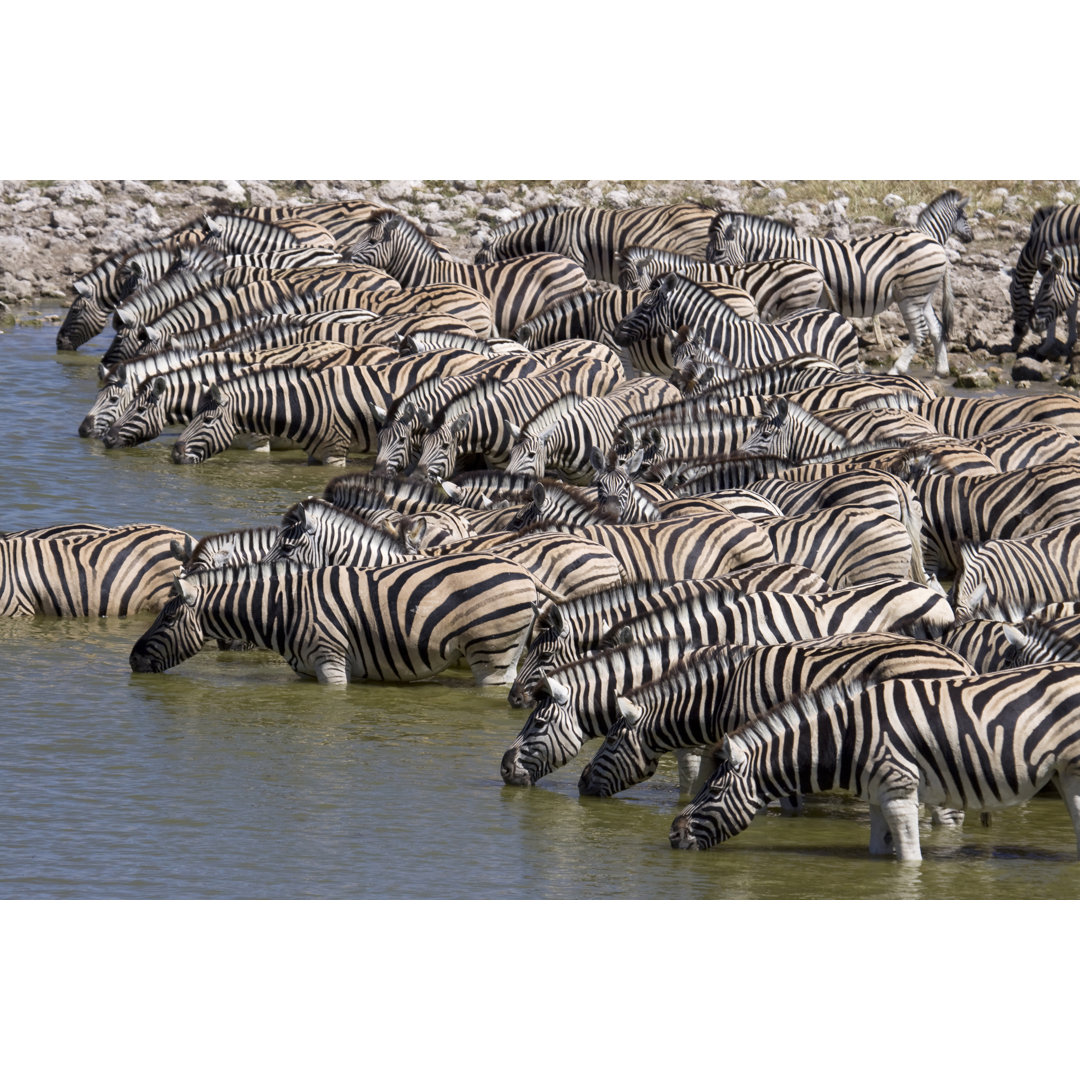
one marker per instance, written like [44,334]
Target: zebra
[896,744]
[594,237]
[676,301]
[247,290]
[339,623]
[563,631]
[98,291]
[1051,227]
[894,605]
[244,233]
[86,569]
[483,427]
[174,397]
[1058,292]
[1011,578]
[576,702]
[519,288]
[325,412]
[260,301]
[591,314]
[564,442]
[778,287]
[716,689]
[867,274]
[960,510]
[788,431]
[401,427]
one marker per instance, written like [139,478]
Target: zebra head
[1056,293]
[726,805]
[771,434]
[614,481]
[623,760]
[528,455]
[945,217]
[111,400]
[651,317]
[394,441]
[176,634]
[551,737]
[727,243]
[85,319]
[439,450]
[210,431]
[549,647]
[142,420]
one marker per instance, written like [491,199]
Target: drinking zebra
[898,744]
[339,623]
[1051,227]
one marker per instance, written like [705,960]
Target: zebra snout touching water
[970,742]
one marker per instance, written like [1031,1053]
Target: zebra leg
[1049,341]
[690,779]
[1068,783]
[880,837]
[937,337]
[901,813]
[1071,318]
[946,815]
[911,308]
[330,667]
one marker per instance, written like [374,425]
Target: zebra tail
[946,307]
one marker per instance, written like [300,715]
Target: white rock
[78,191]
[233,191]
[893,201]
[147,216]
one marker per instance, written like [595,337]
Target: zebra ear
[213,392]
[731,752]
[963,202]
[411,532]
[103,372]
[633,463]
[459,424]
[185,591]
[557,691]
[630,712]
[159,385]
[176,550]
[1057,261]
[425,418]
[596,458]
[380,415]
[539,494]
[978,594]
[515,431]
[780,409]
[452,491]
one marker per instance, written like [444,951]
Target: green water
[230,777]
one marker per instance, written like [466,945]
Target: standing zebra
[594,237]
[1051,227]
[87,569]
[340,623]
[868,274]
[899,743]
[518,288]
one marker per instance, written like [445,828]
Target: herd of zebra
[629,464]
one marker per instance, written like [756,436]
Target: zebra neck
[249,604]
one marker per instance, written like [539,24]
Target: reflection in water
[230,776]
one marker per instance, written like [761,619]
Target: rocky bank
[53,231]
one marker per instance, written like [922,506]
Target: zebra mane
[483,388]
[752,222]
[796,414]
[675,283]
[492,484]
[601,601]
[598,658]
[798,709]
[530,217]
[701,662]
[548,415]
[391,219]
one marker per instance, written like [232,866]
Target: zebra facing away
[868,274]
[1059,291]
[82,569]
[969,742]
[340,623]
